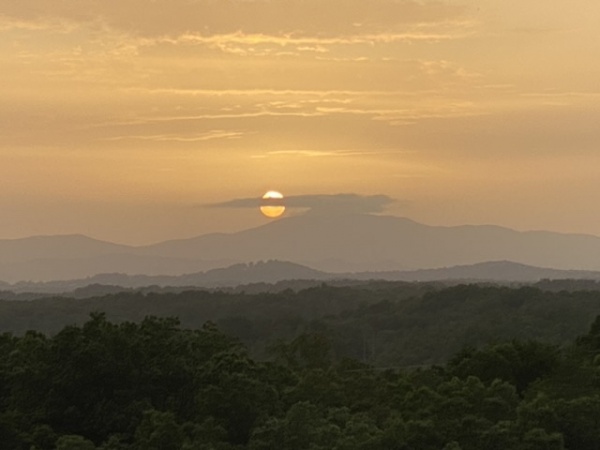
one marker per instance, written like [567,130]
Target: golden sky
[121,119]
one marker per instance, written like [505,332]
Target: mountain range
[335,244]
[279,275]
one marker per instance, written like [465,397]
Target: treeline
[155,386]
[384,324]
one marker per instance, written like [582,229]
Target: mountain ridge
[273,272]
[329,243]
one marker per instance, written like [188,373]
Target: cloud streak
[164,17]
[208,136]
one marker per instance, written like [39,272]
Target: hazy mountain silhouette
[370,242]
[56,247]
[272,272]
[493,271]
[235,275]
[336,243]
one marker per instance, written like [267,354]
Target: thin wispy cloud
[307,153]
[222,40]
[163,17]
[332,153]
[211,135]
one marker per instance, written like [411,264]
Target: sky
[127,120]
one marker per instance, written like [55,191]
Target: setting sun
[272,205]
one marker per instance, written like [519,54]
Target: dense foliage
[155,386]
[384,324]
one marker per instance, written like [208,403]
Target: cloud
[320,203]
[173,17]
[196,137]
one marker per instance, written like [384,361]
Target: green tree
[540,439]
[74,442]
[158,431]
[519,363]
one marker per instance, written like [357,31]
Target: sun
[272,204]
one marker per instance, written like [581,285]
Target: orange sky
[121,119]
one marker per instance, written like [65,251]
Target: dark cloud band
[354,203]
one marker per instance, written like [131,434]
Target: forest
[384,324]
[322,368]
